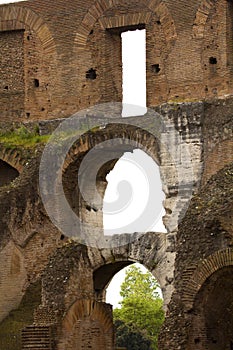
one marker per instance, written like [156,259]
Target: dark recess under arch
[7,173]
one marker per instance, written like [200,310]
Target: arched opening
[7,173]
[113,296]
[85,183]
[212,326]
[137,303]
[134,72]
[133,200]
[103,276]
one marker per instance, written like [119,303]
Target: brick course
[58,57]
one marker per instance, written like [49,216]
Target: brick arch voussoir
[87,142]
[100,6]
[203,271]
[201,18]
[87,308]
[13,158]
[135,252]
[11,16]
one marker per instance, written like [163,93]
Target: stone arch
[196,277]
[13,158]
[142,139]
[105,273]
[131,138]
[98,9]
[149,249]
[107,132]
[128,134]
[201,18]
[212,315]
[18,17]
[87,308]
[7,173]
[88,324]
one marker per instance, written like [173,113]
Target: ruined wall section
[72,53]
[12,325]
[62,18]
[27,240]
[204,239]
[217,136]
[36,71]
[38,81]
[157,52]
[215,65]
[99,51]
[88,324]
[12,94]
[204,246]
[13,276]
[99,77]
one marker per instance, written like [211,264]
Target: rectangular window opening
[134,72]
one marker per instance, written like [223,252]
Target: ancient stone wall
[204,250]
[70,57]
[12,75]
[59,57]
[217,136]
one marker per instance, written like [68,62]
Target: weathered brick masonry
[58,43]
[60,57]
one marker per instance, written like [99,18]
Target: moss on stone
[22,137]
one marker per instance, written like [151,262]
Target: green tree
[133,340]
[141,307]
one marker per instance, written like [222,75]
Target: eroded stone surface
[58,58]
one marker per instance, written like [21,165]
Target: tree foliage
[141,314]
[126,337]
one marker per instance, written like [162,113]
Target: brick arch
[13,158]
[142,138]
[81,309]
[103,275]
[148,249]
[203,271]
[100,6]
[201,17]
[15,17]
[131,138]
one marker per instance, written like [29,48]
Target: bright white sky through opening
[134,72]
[141,173]
[134,93]
[9,1]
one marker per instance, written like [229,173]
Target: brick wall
[188,53]
[12,75]
[58,57]
[217,136]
